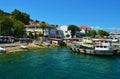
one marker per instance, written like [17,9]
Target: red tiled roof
[88,28]
[85,28]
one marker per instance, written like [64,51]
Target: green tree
[43,25]
[14,21]
[93,33]
[103,33]
[18,26]
[2,13]
[67,35]
[73,29]
[21,16]
[6,25]
[31,35]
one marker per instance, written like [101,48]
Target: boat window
[105,46]
[101,46]
[106,41]
[97,46]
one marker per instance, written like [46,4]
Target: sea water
[58,63]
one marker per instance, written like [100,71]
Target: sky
[97,14]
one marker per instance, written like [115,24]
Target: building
[59,32]
[66,32]
[116,34]
[52,31]
[78,34]
[33,27]
[85,29]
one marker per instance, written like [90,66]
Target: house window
[66,31]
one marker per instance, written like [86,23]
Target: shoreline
[18,48]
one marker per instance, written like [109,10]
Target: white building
[34,28]
[66,31]
[85,29]
[52,31]
[60,33]
[115,34]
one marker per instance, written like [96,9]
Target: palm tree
[43,25]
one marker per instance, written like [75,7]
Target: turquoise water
[57,63]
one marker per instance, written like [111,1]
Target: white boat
[104,47]
[96,47]
[75,48]
[24,46]
[2,50]
[46,44]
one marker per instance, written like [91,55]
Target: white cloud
[96,27]
[109,29]
[115,29]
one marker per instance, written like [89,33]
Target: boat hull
[94,52]
[81,50]
[105,52]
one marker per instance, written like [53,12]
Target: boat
[2,50]
[84,46]
[87,46]
[75,46]
[46,43]
[96,47]
[24,46]
[104,47]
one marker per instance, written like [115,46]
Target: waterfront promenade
[11,47]
[10,44]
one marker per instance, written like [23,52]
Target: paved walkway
[10,44]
